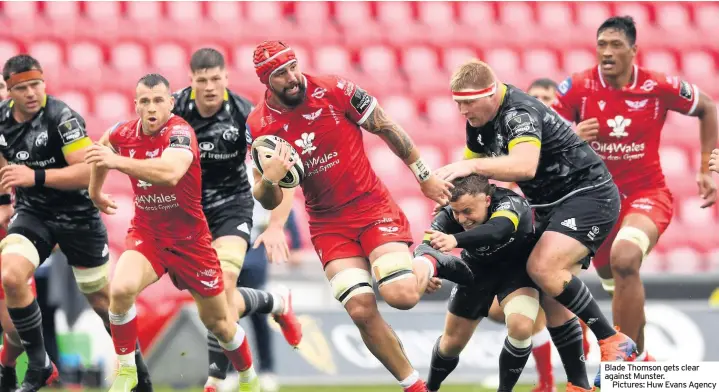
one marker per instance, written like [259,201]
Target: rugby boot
[8,379]
[39,378]
[616,348]
[448,267]
[573,388]
[418,386]
[125,380]
[144,384]
[290,326]
[645,357]
[210,388]
[251,386]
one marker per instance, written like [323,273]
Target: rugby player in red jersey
[620,110]
[354,223]
[168,233]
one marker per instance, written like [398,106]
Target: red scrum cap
[270,57]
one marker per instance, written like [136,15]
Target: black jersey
[222,146]
[41,143]
[566,162]
[504,203]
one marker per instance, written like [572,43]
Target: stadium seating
[402,52]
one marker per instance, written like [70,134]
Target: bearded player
[218,117]
[620,110]
[354,223]
[169,233]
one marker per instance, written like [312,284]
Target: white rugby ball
[263,148]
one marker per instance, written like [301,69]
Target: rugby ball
[263,148]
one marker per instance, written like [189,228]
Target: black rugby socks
[511,363]
[439,368]
[256,301]
[28,322]
[219,363]
[568,340]
[577,298]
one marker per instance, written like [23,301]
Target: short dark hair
[19,63]
[624,24]
[543,83]
[472,184]
[152,80]
[206,58]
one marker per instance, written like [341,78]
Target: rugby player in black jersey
[218,116]
[495,228]
[513,137]
[42,143]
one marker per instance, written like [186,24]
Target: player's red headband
[20,77]
[270,57]
[469,94]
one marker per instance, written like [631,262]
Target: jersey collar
[635,74]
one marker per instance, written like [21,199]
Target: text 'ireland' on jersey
[44,142]
[223,147]
[167,212]
[325,131]
[514,249]
[566,163]
[630,120]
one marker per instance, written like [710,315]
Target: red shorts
[656,204]
[192,265]
[357,234]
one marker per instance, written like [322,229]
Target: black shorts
[84,243]
[234,218]
[500,280]
[588,217]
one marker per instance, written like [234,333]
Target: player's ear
[172,102]
[137,108]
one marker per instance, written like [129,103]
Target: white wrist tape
[421,170]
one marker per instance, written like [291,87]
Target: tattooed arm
[397,139]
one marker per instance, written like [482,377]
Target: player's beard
[291,101]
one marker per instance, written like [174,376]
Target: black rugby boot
[38,378]
[144,384]
[8,379]
[449,267]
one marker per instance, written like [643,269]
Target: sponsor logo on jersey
[2,141]
[132,153]
[143,184]
[619,125]
[686,91]
[70,131]
[564,87]
[648,85]
[636,105]
[152,154]
[22,155]
[602,105]
[318,93]
[312,116]
[231,134]
[360,100]
[306,142]
[207,146]
[156,201]
[41,139]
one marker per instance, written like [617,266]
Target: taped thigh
[91,280]
[351,282]
[522,304]
[635,236]
[392,266]
[231,254]
[18,244]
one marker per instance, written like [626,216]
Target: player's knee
[351,283]
[362,310]
[400,296]
[92,280]
[232,257]
[17,245]
[451,343]
[123,292]
[520,314]
[539,271]
[520,328]
[628,251]
[218,326]
[15,278]
[540,323]
[392,267]
[100,303]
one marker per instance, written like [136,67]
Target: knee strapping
[351,282]
[519,343]
[20,245]
[231,255]
[92,280]
[608,284]
[392,266]
[635,236]
[522,304]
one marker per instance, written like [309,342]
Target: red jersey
[325,130]
[630,120]
[164,212]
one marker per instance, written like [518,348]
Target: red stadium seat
[332,60]
[85,56]
[476,14]
[442,110]
[184,11]
[264,12]
[20,10]
[541,63]
[9,48]
[552,14]
[312,12]
[419,213]
[420,59]
[48,53]
[77,100]
[516,14]
[352,15]
[674,161]
[713,260]
[130,56]
[504,61]
[168,55]
[103,10]
[435,13]
[662,61]
[591,15]
[654,263]
[685,260]
[699,65]
[672,16]
[113,106]
[638,11]
[432,155]
[400,108]
[387,165]
[576,60]
[147,13]
[693,214]
[225,12]
[394,13]
[453,57]
[378,59]
[706,16]
[65,11]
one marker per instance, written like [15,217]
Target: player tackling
[218,117]
[168,233]
[354,223]
[620,110]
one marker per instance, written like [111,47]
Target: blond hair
[474,74]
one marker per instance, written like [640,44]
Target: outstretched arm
[166,170]
[99,174]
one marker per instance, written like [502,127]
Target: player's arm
[706,111]
[498,229]
[74,145]
[524,146]
[273,198]
[170,167]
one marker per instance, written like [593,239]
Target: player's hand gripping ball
[274,157]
